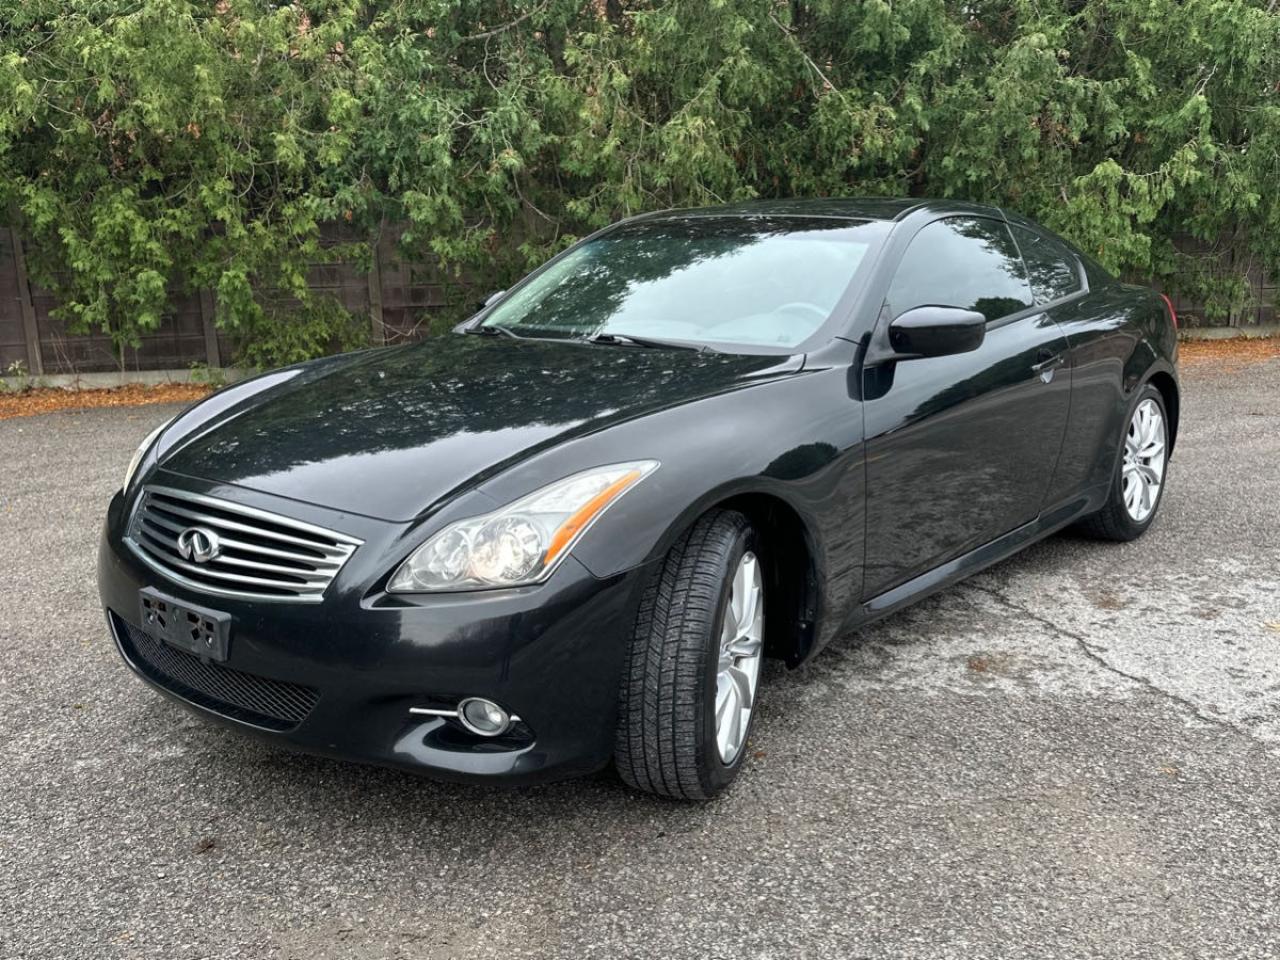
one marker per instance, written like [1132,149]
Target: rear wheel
[693,668]
[1138,483]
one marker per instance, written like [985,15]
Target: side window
[968,262]
[1054,270]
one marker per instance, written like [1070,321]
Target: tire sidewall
[713,772]
[1132,527]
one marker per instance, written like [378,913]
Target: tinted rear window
[1054,270]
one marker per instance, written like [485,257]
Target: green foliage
[209,376]
[280,336]
[15,379]
[153,146]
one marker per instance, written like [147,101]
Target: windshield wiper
[491,330]
[629,340]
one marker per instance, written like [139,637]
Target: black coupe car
[569,532]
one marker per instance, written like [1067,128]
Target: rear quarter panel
[1119,337]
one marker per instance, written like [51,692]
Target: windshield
[750,281]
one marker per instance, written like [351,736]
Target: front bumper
[551,654]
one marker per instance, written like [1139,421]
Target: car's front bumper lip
[551,654]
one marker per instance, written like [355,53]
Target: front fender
[796,440]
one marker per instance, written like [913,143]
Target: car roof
[853,208]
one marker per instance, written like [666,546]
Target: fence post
[30,330]
[379,331]
[213,356]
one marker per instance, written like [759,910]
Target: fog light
[483,717]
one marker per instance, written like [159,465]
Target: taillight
[1173,314]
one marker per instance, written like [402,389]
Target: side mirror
[937,332]
[488,301]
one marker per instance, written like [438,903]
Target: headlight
[141,452]
[521,543]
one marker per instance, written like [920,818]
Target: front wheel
[1139,480]
[692,673]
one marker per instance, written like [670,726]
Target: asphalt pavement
[1072,755]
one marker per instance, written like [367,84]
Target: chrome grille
[263,556]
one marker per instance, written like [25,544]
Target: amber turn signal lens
[570,528]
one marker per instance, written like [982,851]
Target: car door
[961,448]
[1095,322]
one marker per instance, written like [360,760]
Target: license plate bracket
[196,630]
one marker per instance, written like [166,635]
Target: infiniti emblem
[199,544]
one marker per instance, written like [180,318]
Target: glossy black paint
[936,332]
[446,413]
[872,479]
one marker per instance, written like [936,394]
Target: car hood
[389,433]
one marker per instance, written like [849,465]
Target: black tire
[666,737]
[1113,521]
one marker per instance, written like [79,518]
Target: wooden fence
[399,299]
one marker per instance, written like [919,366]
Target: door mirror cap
[936,332]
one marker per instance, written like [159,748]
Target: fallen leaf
[48,399]
[1229,353]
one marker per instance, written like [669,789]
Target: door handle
[1048,360]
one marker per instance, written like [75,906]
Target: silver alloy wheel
[1144,459]
[738,670]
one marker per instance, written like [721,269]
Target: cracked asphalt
[1072,755]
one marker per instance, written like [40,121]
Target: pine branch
[506,26]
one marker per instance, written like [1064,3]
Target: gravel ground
[1073,754]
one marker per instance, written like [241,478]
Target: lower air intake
[272,704]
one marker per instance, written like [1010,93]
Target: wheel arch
[789,555]
[1163,381]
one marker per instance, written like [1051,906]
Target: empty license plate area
[197,630]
